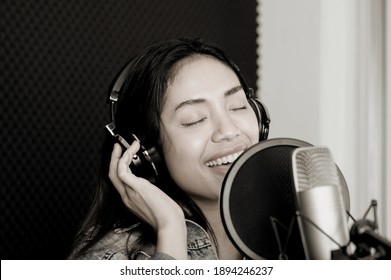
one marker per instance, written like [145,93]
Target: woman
[189,101]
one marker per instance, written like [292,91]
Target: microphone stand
[369,244]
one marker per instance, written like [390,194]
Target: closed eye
[239,108]
[190,124]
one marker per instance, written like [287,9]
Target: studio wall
[58,59]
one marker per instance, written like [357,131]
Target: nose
[225,129]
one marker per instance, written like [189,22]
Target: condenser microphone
[257,201]
[322,214]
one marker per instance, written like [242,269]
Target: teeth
[224,160]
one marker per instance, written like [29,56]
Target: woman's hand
[149,203]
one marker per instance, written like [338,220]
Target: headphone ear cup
[263,117]
[146,162]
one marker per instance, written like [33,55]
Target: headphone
[147,161]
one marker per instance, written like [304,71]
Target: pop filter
[258,205]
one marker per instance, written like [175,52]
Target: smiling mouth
[223,160]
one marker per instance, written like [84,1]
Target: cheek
[182,155]
[183,165]
[250,127]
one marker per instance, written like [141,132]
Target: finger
[127,157]
[125,174]
[115,156]
[113,172]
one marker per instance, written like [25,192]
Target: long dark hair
[138,112]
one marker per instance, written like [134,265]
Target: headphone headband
[114,94]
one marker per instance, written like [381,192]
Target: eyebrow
[229,92]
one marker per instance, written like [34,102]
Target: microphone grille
[315,167]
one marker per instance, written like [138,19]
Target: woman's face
[207,123]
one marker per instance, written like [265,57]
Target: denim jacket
[115,244]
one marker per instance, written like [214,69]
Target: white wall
[289,66]
[387,165]
[322,68]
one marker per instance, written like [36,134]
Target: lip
[221,170]
[226,152]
